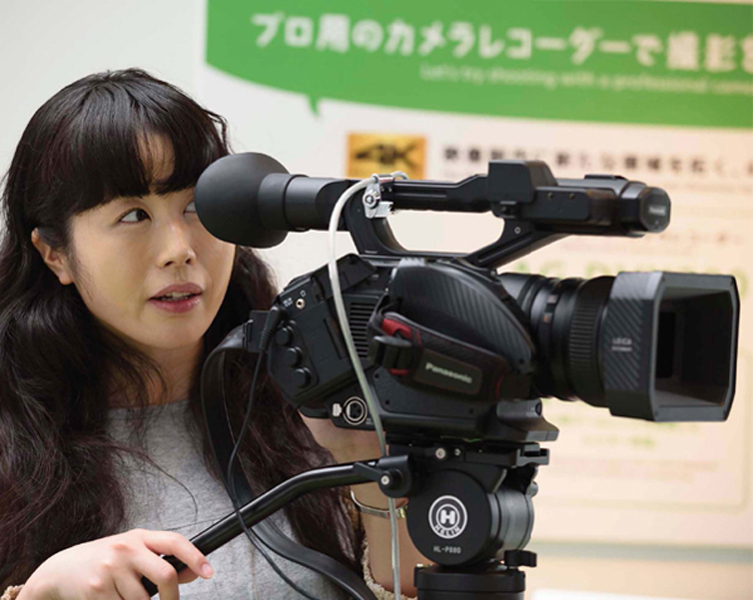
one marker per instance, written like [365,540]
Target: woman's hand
[350,445]
[346,445]
[111,568]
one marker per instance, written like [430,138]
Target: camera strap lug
[375,206]
[393,353]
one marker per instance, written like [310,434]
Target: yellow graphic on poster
[370,153]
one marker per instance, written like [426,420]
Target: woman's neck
[177,367]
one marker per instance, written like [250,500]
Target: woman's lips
[177,306]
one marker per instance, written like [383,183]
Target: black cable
[268,534]
[233,497]
[228,480]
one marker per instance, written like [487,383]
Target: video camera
[449,344]
[460,355]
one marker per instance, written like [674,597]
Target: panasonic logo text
[447,373]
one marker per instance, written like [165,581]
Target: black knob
[293,357]
[301,377]
[284,336]
[520,558]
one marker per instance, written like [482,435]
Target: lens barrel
[658,346]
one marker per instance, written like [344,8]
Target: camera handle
[272,500]
[438,507]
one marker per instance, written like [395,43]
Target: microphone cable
[369,395]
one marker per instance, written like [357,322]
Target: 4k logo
[383,153]
[448,517]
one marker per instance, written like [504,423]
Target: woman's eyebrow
[118,202]
[122,200]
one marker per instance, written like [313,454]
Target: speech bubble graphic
[631,61]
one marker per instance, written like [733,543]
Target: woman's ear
[54,259]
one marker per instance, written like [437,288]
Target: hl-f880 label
[447,549]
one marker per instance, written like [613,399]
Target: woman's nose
[177,245]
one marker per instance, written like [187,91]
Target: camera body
[458,351]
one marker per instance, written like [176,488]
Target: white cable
[368,393]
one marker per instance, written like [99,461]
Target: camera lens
[669,346]
[565,318]
[658,346]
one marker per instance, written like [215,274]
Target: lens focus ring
[583,343]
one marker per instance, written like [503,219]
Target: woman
[113,294]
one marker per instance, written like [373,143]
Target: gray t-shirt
[157,502]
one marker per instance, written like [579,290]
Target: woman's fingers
[160,572]
[111,568]
[102,588]
[130,588]
[187,576]
[168,542]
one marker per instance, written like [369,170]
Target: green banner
[632,61]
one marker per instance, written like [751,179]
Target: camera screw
[458,451]
[440,453]
[517,230]
[385,480]
[300,303]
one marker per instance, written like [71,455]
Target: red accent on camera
[391,327]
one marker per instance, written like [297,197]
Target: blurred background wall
[624,507]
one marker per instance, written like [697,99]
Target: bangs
[131,138]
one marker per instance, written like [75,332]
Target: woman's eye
[133,216]
[191,206]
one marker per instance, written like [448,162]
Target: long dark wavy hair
[59,476]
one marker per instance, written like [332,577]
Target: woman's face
[125,252]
